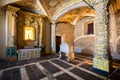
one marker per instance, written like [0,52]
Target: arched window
[29,33]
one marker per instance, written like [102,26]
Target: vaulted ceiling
[57,10]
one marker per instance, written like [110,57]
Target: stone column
[53,38]
[41,32]
[101,23]
[36,33]
[11,16]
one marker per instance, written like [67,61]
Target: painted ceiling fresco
[51,7]
[77,13]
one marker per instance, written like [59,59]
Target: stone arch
[63,10]
[5,2]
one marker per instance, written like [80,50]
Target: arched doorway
[58,42]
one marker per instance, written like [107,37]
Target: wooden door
[58,42]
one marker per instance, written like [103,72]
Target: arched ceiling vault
[60,10]
[34,6]
[75,15]
[66,9]
[68,6]
[56,10]
[6,2]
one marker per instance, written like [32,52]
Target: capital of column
[53,22]
[11,8]
[103,3]
[101,10]
[99,1]
[13,14]
[39,20]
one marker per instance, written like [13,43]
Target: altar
[25,35]
[28,53]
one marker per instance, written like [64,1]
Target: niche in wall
[29,33]
[29,36]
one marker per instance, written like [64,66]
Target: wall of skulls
[83,43]
[115,34]
[66,31]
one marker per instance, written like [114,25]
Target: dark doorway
[58,42]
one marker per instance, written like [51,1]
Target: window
[29,33]
[90,28]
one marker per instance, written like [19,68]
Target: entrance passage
[58,42]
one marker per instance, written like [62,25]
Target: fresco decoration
[53,3]
[51,6]
[32,4]
[73,14]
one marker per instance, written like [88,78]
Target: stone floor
[50,67]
